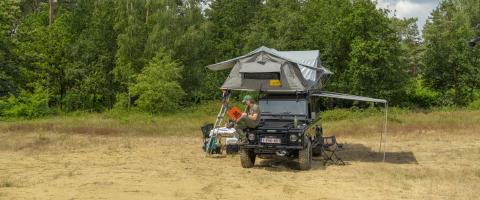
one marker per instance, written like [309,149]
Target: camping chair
[329,150]
[210,144]
[206,130]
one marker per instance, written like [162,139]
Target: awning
[348,97]
[367,99]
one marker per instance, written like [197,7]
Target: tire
[247,158]
[317,151]
[305,156]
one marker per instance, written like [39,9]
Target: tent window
[265,76]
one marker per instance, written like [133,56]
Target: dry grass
[401,123]
[6,182]
[434,155]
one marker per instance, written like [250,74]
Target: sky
[410,8]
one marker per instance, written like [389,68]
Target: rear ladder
[220,116]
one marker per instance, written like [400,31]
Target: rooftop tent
[271,70]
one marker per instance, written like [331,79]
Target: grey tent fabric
[299,70]
[289,79]
[259,67]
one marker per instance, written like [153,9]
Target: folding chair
[329,150]
[210,144]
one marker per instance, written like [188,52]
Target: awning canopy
[383,135]
[348,97]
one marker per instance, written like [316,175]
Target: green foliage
[26,105]
[122,102]
[157,87]
[474,105]
[9,73]
[43,50]
[91,84]
[451,66]
[230,21]
[96,53]
[278,24]
[421,96]
[9,13]
[410,44]
[374,67]
[130,40]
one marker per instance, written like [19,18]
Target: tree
[450,65]
[45,49]
[278,24]
[157,87]
[230,21]
[410,44]
[375,68]
[329,31]
[358,44]
[192,46]
[92,85]
[9,73]
[130,41]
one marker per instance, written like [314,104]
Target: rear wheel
[247,158]
[305,156]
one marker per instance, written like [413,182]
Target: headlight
[293,137]
[251,137]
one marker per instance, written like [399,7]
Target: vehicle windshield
[283,106]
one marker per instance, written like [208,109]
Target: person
[249,119]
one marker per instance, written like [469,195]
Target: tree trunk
[50,12]
[129,100]
[147,15]
[34,6]
[455,84]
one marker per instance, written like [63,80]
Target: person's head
[248,100]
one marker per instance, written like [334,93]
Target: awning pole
[385,131]
[381,136]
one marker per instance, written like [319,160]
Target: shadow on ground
[283,164]
[350,153]
[362,153]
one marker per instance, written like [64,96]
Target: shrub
[474,105]
[121,101]
[421,96]
[157,87]
[27,105]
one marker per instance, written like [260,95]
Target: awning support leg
[385,131]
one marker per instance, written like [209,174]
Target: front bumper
[270,149]
[268,146]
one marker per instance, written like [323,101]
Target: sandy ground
[76,166]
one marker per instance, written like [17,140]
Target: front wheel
[247,158]
[305,156]
[317,151]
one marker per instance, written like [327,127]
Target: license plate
[271,140]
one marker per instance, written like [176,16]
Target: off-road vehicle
[288,80]
[286,130]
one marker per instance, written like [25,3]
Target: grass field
[430,155]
